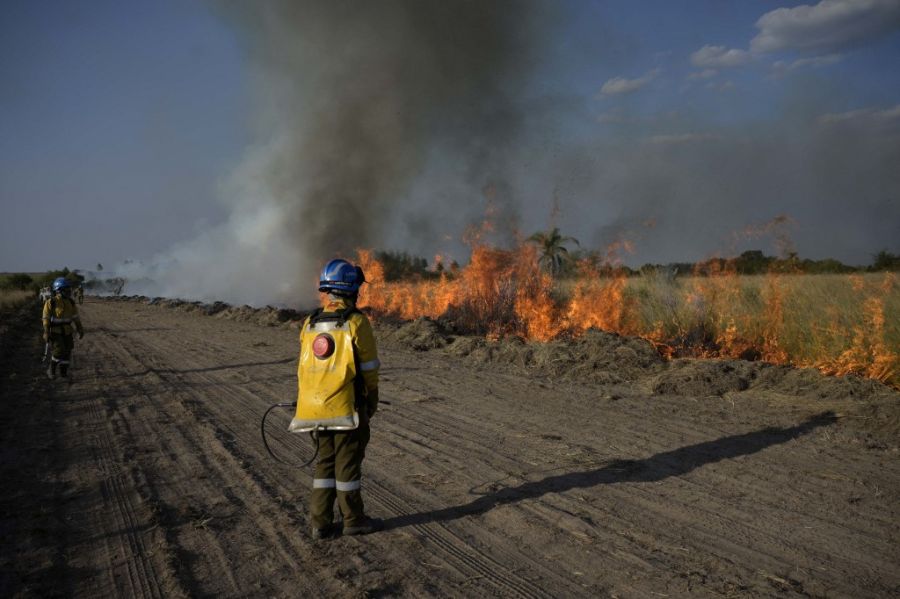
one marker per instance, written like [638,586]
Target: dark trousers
[61,346]
[338,475]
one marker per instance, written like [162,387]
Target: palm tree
[553,250]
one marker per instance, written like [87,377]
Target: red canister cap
[323,346]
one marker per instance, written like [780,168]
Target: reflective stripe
[55,320]
[372,365]
[341,423]
[353,485]
[323,483]
[61,362]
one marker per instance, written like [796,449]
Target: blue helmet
[340,277]
[60,283]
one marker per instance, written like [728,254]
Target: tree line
[34,282]
[755,262]
[560,256]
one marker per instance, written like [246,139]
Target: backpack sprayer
[314,434]
[328,370]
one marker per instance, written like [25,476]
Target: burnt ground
[586,468]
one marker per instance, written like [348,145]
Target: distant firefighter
[60,317]
[78,294]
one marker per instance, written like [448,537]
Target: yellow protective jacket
[337,373]
[60,316]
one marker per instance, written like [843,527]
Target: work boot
[318,534]
[369,525]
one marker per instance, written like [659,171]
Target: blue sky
[126,128]
[660,37]
[116,121]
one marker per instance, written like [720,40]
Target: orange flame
[714,313]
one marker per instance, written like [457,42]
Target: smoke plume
[353,101]
[394,124]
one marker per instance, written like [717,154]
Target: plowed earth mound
[579,468]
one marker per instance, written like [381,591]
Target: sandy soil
[581,469]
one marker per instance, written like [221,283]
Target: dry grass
[12,298]
[838,323]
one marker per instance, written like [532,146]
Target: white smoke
[248,259]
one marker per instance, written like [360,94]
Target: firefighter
[60,317]
[337,396]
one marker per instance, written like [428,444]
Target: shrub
[19,281]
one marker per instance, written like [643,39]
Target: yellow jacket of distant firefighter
[60,315]
[338,369]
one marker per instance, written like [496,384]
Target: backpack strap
[314,316]
[340,316]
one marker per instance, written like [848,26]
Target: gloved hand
[81,334]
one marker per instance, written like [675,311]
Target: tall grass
[13,298]
[838,323]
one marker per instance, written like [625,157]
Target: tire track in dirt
[167,515]
[561,511]
[488,570]
[720,528]
[105,539]
[562,499]
[117,489]
[454,546]
[220,477]
[663,495]
[474,564]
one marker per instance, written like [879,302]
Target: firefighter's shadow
[654,468]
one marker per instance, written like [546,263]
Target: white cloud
[782,67]
[620,85]
[717,57]
[704,74]
[871,115]
[827,26]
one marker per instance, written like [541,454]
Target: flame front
[835,323]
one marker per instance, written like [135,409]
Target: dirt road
[147,478]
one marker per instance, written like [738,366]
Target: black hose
[262,427]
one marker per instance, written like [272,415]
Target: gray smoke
[834,174]
[361,95]
[354,102]
[394,124]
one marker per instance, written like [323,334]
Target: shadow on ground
[654,468]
